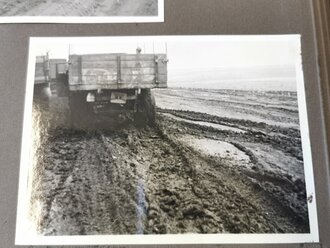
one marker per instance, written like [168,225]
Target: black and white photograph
[167,140]
[82,11]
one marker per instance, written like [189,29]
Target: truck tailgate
[117,71]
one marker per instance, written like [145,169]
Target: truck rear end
[50,77]
[115,86]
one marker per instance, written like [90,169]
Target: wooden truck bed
[117,71]
[39,75]
[47,70]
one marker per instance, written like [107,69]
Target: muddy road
[79,8]
[193,172]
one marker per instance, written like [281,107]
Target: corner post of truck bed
[156,69]
[46,67]
[80,69]
[118,69]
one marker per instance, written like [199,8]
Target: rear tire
[80,111]
[146,109]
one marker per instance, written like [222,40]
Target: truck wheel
[42,94]
[146,110]
[150,107]
[79,110]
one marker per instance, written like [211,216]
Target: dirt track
[185,175]
[79,8]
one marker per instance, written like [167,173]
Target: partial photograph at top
[66,11]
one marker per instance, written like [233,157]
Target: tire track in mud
[285,139]
[243,209]
[147,181]
[281,190]
[93,194]
[58,173]
[188,193]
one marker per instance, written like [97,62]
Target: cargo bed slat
[117,70]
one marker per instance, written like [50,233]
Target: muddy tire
[146,109]
[42,94]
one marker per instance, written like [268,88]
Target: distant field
[278,108]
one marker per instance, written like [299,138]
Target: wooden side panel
[94,57]
[47,70]
[93,69]
[130,81]
[98,64]
[97,76]
[162,78]
[53,68]
[117,71]
[113,56]
[40,59]
[39,74]
[116,86]
[161,68]
[140,57]
[134,63]
[138,71]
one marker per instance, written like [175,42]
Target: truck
[49,73]
[105,89]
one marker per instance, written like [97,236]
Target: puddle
[140,207]
[216,148]
[206,124]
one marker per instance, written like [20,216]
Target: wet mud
[170,178]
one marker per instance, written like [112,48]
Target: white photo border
[87,19]
[24,236]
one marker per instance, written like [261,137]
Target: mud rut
[146,181]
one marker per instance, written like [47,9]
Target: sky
[230,57]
